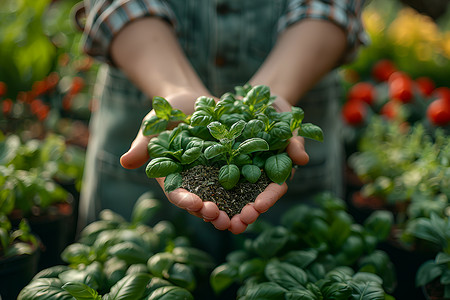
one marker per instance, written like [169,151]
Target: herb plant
[317,252]
[16,242]
[117,259]
[241,137]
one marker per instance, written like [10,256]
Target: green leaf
[190,155]
[218,130]
[159,145]
[160,263]
[266,291]
[251,267]
[170,293]
[177,115]
[81,276]
[161,167]
[182,275]
[301,258]
[241,160]
[229,176]
[286,275]
[252,128]
[193,257]
[206,104]
[252,145]
[297,294]
[44,289]
[442,258]
[156,283]
[297,117]
[201,118]
[379,224]
[81,291]
[257,96]
[236,129]
[51,272]
[223,276]
[174,133]
[77,253]
[281,130]
[130,253]
[427,272]
[154,125]
[161,107]
[251,172]
[130,287]
[336,290]
[172,182]
[145,208]
[278,168]
[367,290]
[270,241]
[311,131]
[215,150]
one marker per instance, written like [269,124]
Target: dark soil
[204,182]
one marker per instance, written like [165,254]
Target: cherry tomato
[391,110]
[77,85]
[7,106]
[354,112]
[36,105]
[438,112]
[442,92]
[364,91]
[400,87]
[383,69]
[425,85]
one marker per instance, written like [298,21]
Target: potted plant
[317,252]
[19,255]
[433,275]
[117,259]
[237,145]
[30,177]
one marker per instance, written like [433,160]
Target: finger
[209,211]
[296,150]
[269,197]
[137,155]
[236,225]
[185,200]
[249,214]
[222,222]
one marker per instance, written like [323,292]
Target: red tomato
[3,88]
[7,106]
[36,105]
[364,91]
[438,112]
[442,92]
[39,87]
[383,69]
[43,111]
[67,102]
[425,85]
[77,85]
[400,87]
[52,80]
[354,112]
[391,110]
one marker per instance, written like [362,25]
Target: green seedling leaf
[278,168]
[286,275]
[311,131]
[190,155]
[252,145]
[281,130]
[193,257]
[160,263]
[257,96]
[215,150]
[177,115]
[218,130]
[81,291]
[130,287]
[161,167]
[236,129]
[379,224]
[223,276]
[201,118]
[297,117]
[252,128]
[154,125]
[206,104]
[161,107]
[226,103]
[77,253]
[44,288]
[266,291]
[170,293]
[159,146]
[251,267]
[251,172]
[172,182]
[130,253]
[241,160]
[174,134]
[229,176]
[182,275]
[144,209]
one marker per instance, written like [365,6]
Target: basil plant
[241,137]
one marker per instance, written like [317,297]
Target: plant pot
[16,272]
[55,230]
[434,291]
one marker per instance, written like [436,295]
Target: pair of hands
[137,156]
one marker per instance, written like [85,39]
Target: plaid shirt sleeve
[105,18]
[344,13]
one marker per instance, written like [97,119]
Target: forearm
[304,53]
[148,52]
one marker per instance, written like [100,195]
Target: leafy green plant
[15,242]
[31,171]
[117,259]
[434,230]
[241,137]
[317,252]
